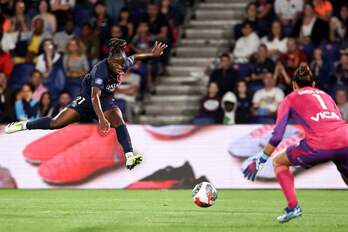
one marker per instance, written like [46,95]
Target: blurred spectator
[63,101]
[251,17]
[51,66]
[91,43]
[6,64]
[229,106]
[129,91]
[75,65]
[288,63]
[115,32]
[26,107]
[343,16]
[45,105]
[267,100]
[340,72]
[6,109]
[320,69]
[225,77]
[261,66]
[37,37]
[62,10]
[288,11]
[341,100]
[265,15]
[174,16]
[275,41]
[309,28]
[114,7]
[61,38]
[20,21]
[101,22]
[323,8]
[36,82]
[50,21]
[244,105]
[246,45]
[126,23]
[336,30]
[210,111]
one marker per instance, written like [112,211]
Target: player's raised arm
[156,51]
[104,124]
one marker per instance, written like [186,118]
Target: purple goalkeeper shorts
[303,155]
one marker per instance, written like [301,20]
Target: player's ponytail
[303,76]
[116,46]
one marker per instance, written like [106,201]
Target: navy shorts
[84,107]
[306,157]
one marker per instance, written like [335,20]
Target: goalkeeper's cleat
[133,161]
[289,214]
[15,127]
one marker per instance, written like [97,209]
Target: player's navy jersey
[102,77]
[319,116]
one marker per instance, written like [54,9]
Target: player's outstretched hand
[158,49]
[255,166]
[104,125]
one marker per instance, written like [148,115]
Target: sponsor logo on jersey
[310,91]
[112,87]
[325,115]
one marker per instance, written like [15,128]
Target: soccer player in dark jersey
[96,100]
[326,138]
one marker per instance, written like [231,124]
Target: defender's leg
[114,116]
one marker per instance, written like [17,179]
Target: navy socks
[124,138]
[41,123]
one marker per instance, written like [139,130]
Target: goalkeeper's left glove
[255,166]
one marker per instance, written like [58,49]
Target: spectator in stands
[174,17]
[265,16]
[45,105]
[288,11]
[246,45]
[340,72]
[275,41]
[261,65]
[243,111]
[225,77]
[210,111]
[343,16]
[61,38]
[129,91]
[320,69]
[126,24]
[341,100]
[50,21]
[267,100]
[91,43]
[336,30]
[101,22]
[6,109]
[50,64]
[323,9]
[310,29]
[36,82]
[251,17]
[6,64]
[63,101]
[75,65]
[62,9]
[20,21]
[37,37]
[287,64]
[26,107]
[229,106]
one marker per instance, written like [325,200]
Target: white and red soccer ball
[204,194]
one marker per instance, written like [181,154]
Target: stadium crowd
[274,38]
[47,46]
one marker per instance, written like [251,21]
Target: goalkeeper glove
[255,166]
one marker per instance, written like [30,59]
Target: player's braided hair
[116,46]
[303,76]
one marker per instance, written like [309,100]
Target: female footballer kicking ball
[96,100]
[326,138]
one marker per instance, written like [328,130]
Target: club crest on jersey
[325,115]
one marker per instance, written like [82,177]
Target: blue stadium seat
[21,74]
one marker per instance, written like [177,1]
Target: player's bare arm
[104,124]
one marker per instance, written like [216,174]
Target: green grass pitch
[172,210]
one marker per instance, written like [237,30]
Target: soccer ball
[204,194]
